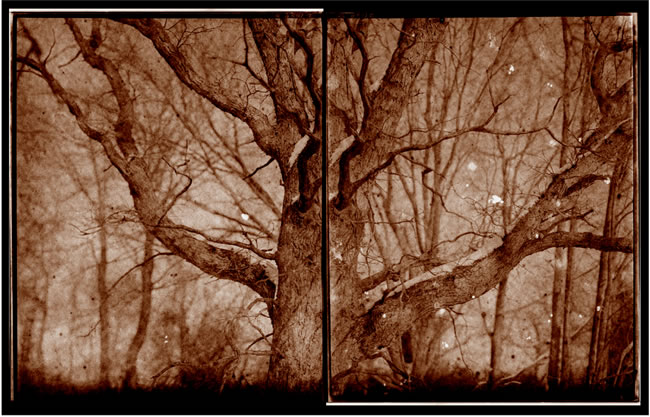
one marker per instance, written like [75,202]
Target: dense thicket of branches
[456,148]
[492,83]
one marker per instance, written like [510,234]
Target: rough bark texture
[362,326]
[390,316]
[296,309]
[371,147]
[296,361]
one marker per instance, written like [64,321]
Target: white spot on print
[342,146]
[495,199]
[492,43]
[300,145]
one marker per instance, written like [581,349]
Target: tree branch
[311,78]
[415,44]
[347,189]
[361,79]
[254,118]
[259,252]
[278,71]
[457,283]
[579,240]
[126,114]
[217,262]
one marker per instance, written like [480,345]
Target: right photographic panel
[483,209]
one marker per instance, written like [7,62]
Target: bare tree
[374,120]
[410,106]
[276,60]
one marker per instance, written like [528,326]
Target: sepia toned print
[465,233]
[168,213]
[482,209]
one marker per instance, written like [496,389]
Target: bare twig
[267,163]
[170,366]
[183,191]
[259,252]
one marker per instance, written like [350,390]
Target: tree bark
[361,328]
[296,357]
[370,147]
[296,308]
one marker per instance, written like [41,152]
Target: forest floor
[510,395]
[50,399]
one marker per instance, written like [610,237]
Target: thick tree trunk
[346,295]
[296,358]
[146,274]
[296,307]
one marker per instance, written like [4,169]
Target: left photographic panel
[167,180]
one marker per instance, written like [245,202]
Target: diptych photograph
[311,209]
